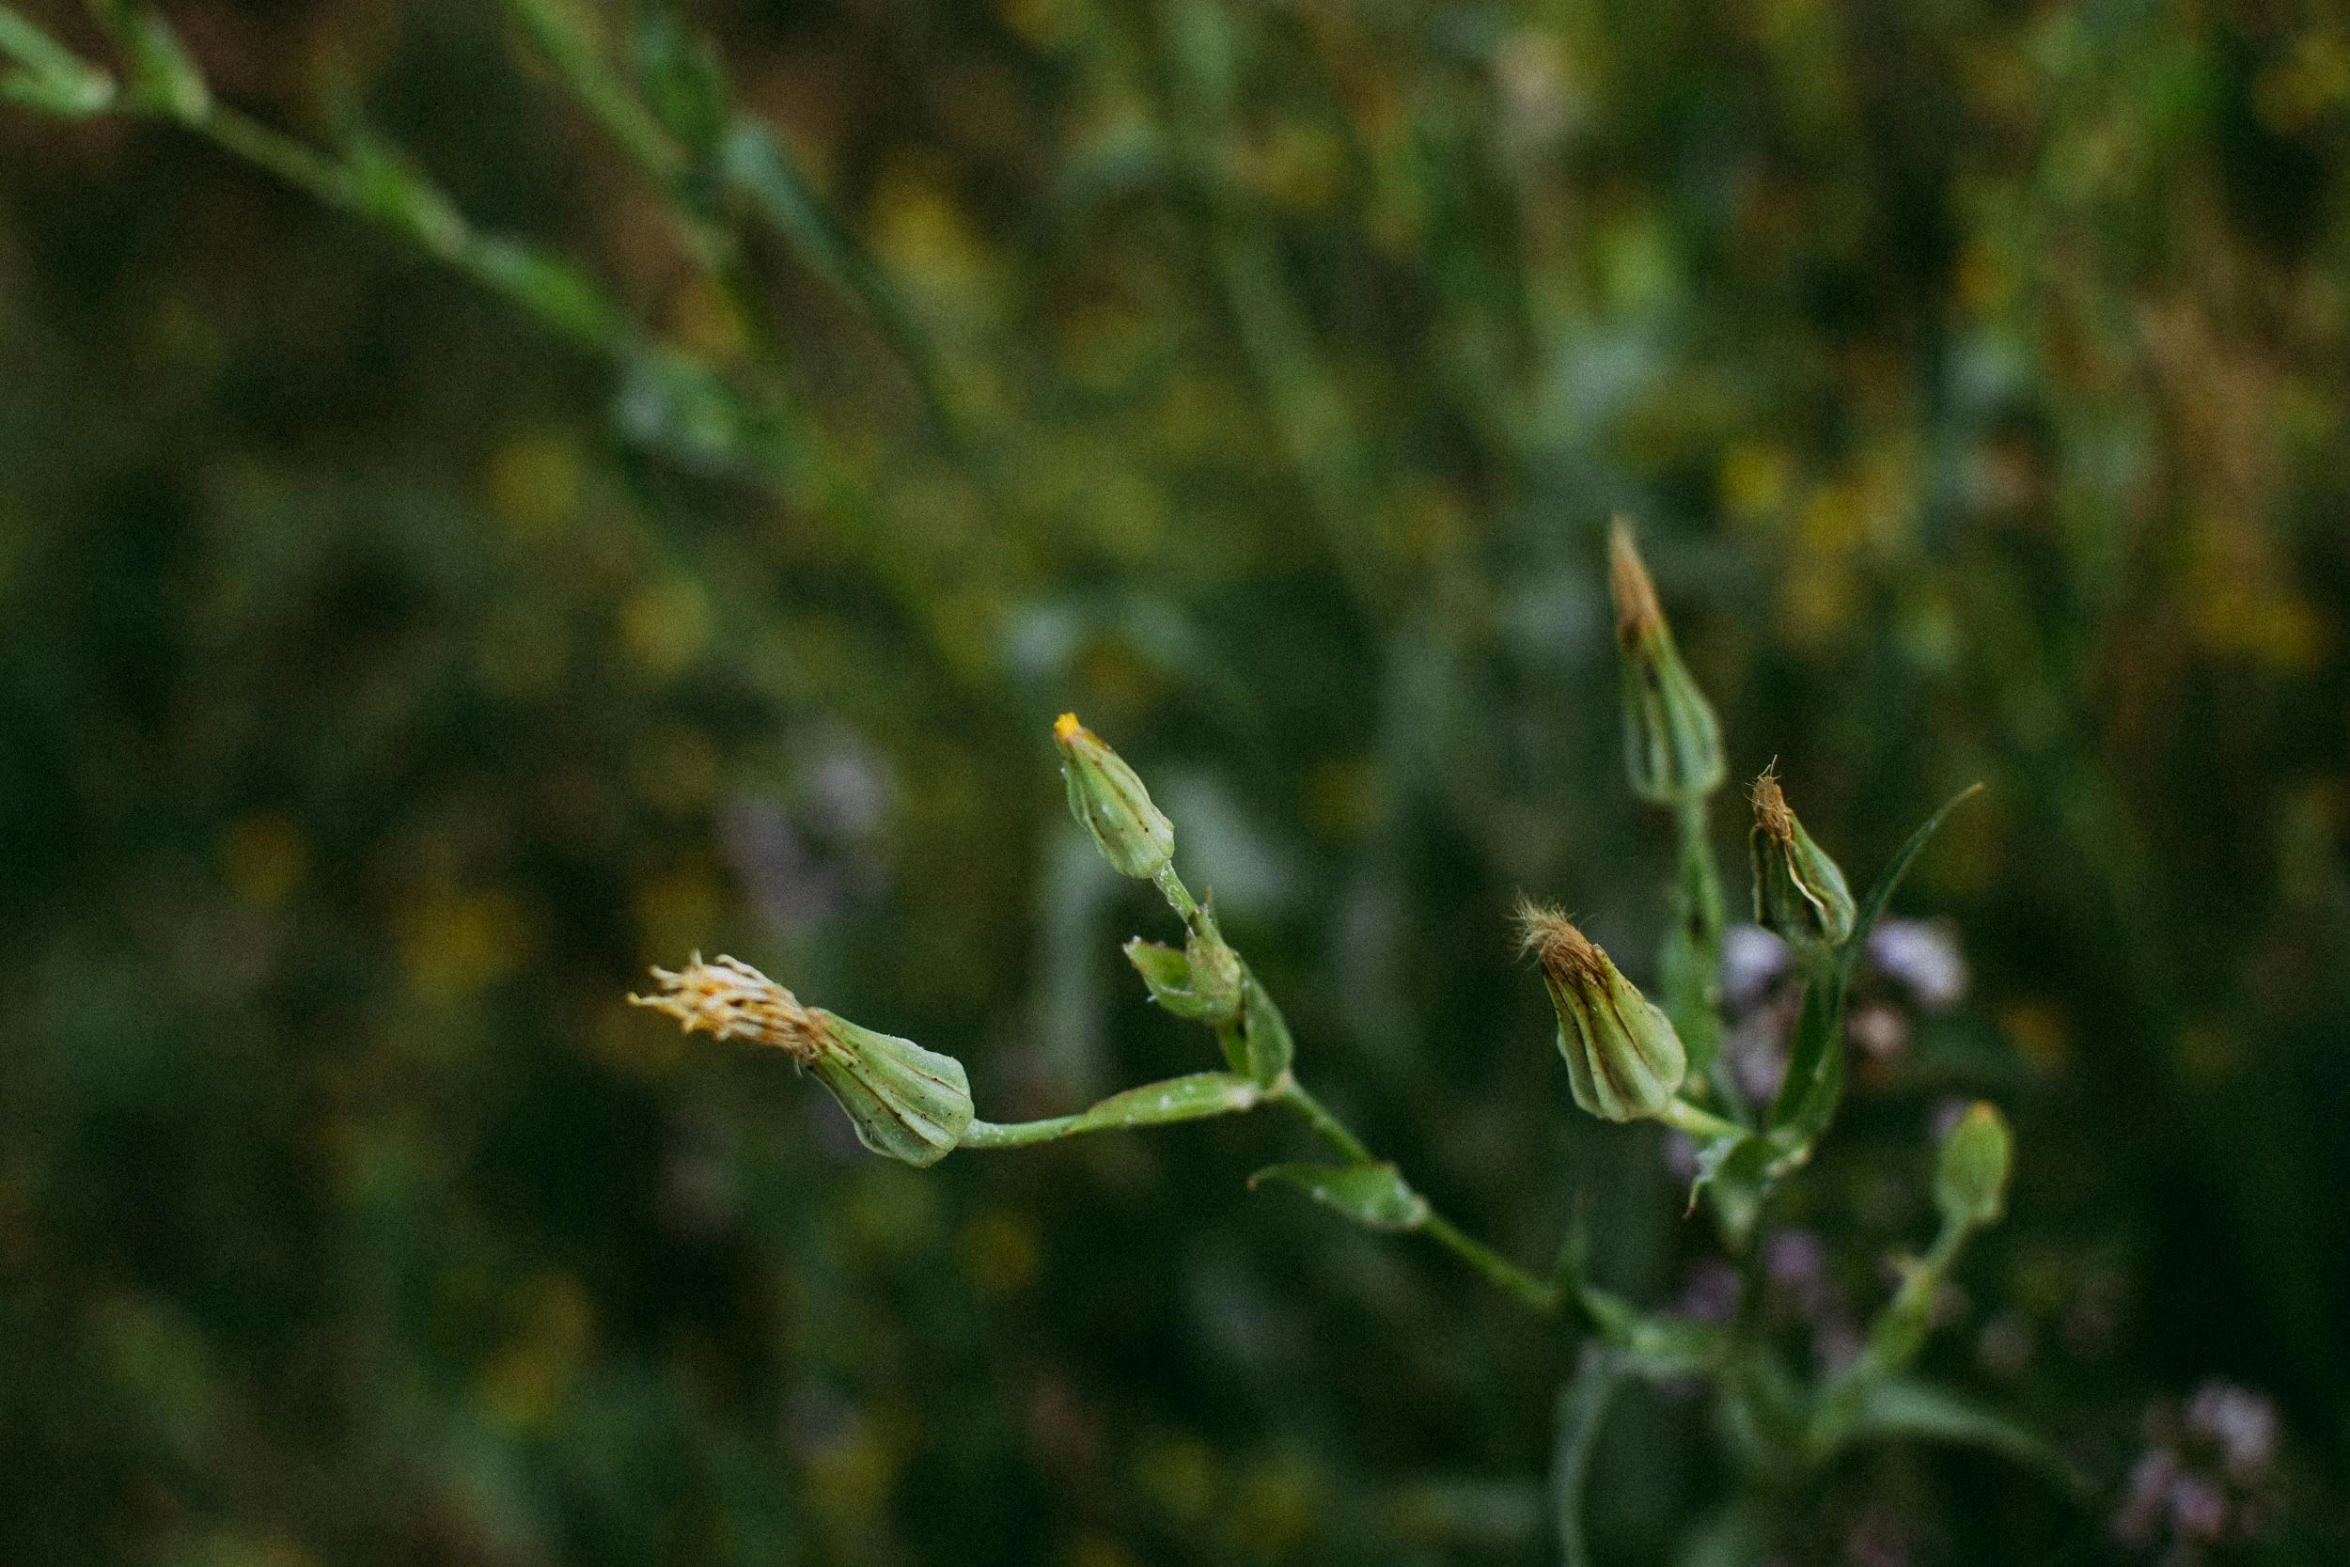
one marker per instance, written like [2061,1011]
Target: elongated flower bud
[1624,1061]
[1970,1176]
[1672,743]
[905,1102]
[1799,893]
[1110,802]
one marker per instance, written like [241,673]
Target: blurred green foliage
[392,667]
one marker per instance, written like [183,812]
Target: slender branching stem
[1016,1134]
[1494,1268]
[1326,1126]
[1683,1116]
[1489,1264]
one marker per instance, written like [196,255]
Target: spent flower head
[1672,742]
[1624,1061]
[905,1102]
[1799,892]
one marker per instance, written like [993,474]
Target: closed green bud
[1799,893]
[1110,801]
[1217,975]
[1970,1178]
[906,1102]
[1203,982]
[1672,743]
[1624,1061]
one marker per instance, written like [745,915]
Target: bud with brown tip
[1799,892]
[1624,1061]
[1672,742]
[906,1102]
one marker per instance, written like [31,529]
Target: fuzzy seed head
[733,1000]
[1624,1062]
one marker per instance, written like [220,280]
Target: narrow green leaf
[1266,1047]
[1905,1407]
[1815,1069]
[1192,1098]
[569,36]
[1374,1195]
[1882,893]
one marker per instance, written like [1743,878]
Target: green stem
[1178,896]
[557,296]
[1493,1267]
[1488,1264]
[1683,1116]
[1016,1134]
[1691,962]
[1326,1126]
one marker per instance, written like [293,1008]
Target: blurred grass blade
[1373,1195]
[683,81]
[1905,1407]
[568,40]
[164,78]
[758,167]
[1582,1410]
[53,79]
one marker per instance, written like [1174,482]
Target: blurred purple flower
[848,795]
[1878,1539]
[1752,960]
[1879,1029]
[773,865]
[2199,1507]
[1922,956]
[2202,1479]
[2146,1497]
[1710,1294]
[2006,1344]
[2241,1423]
[1755,1049]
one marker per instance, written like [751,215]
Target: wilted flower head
[1799,893]
[1672,742]
[906,1102]
[1624,1061]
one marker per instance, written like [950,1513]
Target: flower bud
[905,1102]
[1799,894]
[1111,803]
[1672,743]
[1970,1177]
[1203,982]
[1624,1061]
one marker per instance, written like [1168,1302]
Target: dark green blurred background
[382,688]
